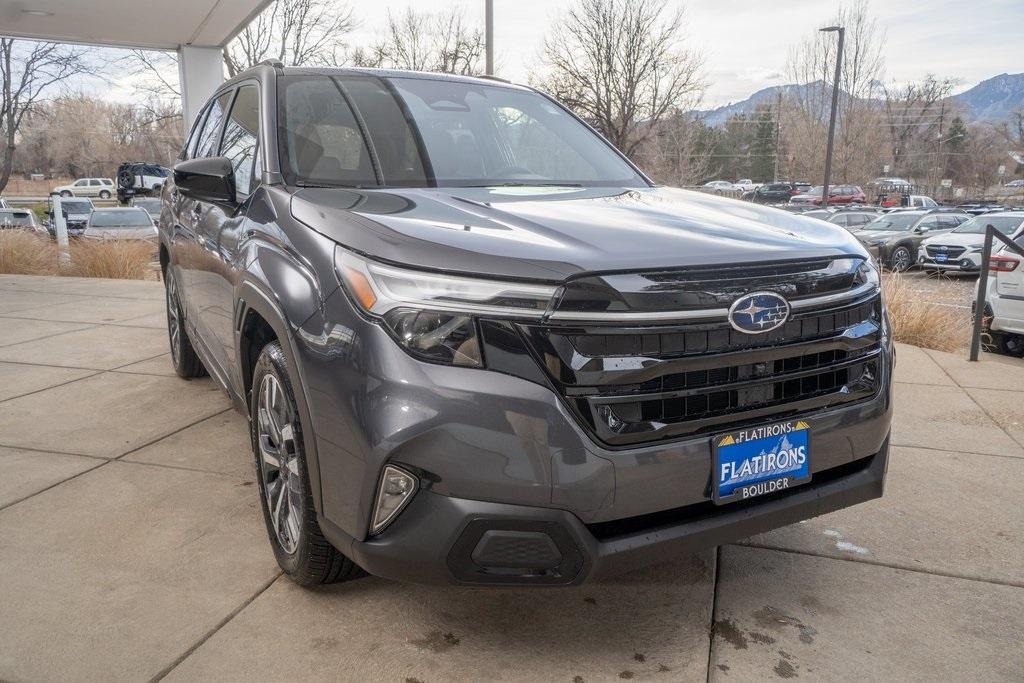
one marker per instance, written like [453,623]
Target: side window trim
[189,150]
[257,155]
[363,130]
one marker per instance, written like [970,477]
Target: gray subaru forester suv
[476,345]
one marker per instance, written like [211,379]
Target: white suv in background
[960,249]
[1004,299]
[103,188]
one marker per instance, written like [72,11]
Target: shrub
[921,323]
[120,259]
[26,253]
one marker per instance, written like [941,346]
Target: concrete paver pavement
[132,545]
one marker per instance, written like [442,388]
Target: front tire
[288,511]
[183,356]
[900,259]
[65,193]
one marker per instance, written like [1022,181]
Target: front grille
[637,385]
[951,252]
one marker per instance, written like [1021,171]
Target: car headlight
[867,274]
[431,315]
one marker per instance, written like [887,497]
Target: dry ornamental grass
[922,323]
[25,253]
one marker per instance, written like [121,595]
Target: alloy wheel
[900,259]
[279,465]
[173,316]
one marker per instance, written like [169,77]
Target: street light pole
[489,36]
[832,115]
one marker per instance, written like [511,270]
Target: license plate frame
[754,461]
[941,258]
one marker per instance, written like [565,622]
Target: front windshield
[893,221]
[75,207]
[133,218]
[462,134]
[1004,224]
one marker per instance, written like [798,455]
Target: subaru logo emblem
[758,312]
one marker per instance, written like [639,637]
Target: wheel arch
[261,318]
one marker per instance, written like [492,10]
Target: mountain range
[992,100]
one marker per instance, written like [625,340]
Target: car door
[219,226]
[926,227]
[188,246]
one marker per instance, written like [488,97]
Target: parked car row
[87,221]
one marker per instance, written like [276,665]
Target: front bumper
[440,539]
[969,262]
[496,446]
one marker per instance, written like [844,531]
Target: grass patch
[23,253]
[118,259]
[26,253]
[922,323]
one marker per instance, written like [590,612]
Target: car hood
[876,235]
[555,233]
[958,239]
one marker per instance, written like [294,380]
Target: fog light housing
[397,488]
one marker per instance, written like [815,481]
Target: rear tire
[183,356]
[104,194]
[1010,344]
[285,492]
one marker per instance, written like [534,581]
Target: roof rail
[275,63]
[492,77]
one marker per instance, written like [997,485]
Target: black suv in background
[476,345]
[775,193]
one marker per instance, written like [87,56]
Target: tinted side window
[211,127]
[930,222]
[241,136]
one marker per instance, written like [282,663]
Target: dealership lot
[132,546]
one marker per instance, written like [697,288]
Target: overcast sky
[746,42]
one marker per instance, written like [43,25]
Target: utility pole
[835,102]
[778,134]
[938,151]
[489,36]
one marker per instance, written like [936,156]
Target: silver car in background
[127,223]
[19,219]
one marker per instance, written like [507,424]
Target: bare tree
[425,41]
[29,71]
[914,115]
[298,32]
[621,64]
[678,153]
[858,146]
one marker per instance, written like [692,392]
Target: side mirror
[211,179]
[921,229]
